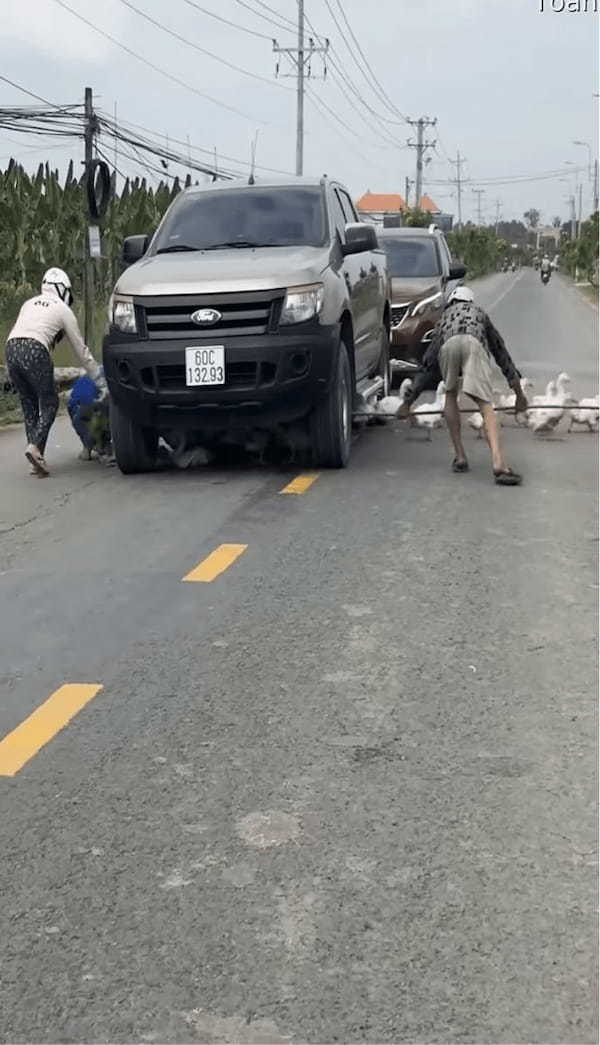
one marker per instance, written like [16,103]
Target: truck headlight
[435,301]
[121,314]
[302,303]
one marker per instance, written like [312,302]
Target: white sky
[511,87]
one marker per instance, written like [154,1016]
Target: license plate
[205,366]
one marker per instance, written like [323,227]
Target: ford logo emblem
[206,317]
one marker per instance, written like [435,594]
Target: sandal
[460,466]
[507,478]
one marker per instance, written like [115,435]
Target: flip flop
[507,478]
[460,466]
[37,462]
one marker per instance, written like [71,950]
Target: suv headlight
[433,302]
[121,314]
[302,303]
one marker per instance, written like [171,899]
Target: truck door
[354,271]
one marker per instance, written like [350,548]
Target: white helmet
[462,294]
[61,283]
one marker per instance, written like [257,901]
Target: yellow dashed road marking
[301,483]
[215,563]
[43,724]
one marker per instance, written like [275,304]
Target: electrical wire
[226,21]
[384,94]
[352,54]
[202,50]
[158,69]
[36,96]
[114,127]
[279,24]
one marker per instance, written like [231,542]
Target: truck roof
[260,183]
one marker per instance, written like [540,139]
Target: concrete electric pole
[407,185]
[301,56]
[88,277]
[458,162]
[421,146]
[479,193]
[498,206]
[595,186]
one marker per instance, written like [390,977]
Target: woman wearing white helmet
[41,323]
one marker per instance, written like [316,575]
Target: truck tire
[135,447]
[331,420]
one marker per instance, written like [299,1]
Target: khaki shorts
[463,356]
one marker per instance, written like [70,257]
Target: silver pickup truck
[257,312]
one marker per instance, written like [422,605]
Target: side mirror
[457,271]
[134,248]
[359,239]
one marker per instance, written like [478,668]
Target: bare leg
[492,434]
[453,421]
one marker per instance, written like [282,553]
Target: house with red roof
[378,205]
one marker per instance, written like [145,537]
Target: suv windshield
[247,217]
[411,257]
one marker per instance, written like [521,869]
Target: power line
[157,68]
[117,131]
[37,97]
[226,21]
[202,50]
[286,28]
[384,96]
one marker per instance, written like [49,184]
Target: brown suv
[422,275]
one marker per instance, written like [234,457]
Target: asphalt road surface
[343,792]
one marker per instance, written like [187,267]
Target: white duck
[390,405]
[475,420]
[429,415]
[587,418]
[557,394]
[508,401]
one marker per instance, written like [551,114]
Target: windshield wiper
[175,247]
[241,243]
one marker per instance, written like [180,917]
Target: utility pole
[421,146]
[88,279]
[573,217]
[300,92]
[479,193]
[301,56]
[595,186]
[498,206]
[458,162]
[407,185]
[580,210]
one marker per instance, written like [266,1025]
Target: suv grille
[170,377]
[170,317]
[398,313]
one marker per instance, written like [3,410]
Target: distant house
[377,206]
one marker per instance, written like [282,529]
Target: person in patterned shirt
[461,349]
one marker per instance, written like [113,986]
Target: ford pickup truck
[257,310]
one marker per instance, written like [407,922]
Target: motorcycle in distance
[545,277]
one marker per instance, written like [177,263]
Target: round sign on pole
[97,187]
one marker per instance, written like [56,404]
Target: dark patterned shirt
[461,317]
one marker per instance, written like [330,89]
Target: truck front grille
[171,377]
[399,312]
[170,318]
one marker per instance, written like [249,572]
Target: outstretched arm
[71,327]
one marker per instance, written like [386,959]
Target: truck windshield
[411,257]
[245,218]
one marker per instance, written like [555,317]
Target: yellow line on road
[215,563]
[301,483]
[43,724]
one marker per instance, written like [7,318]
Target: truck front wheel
[331,420]
[135,447]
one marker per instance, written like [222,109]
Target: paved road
[346,791]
